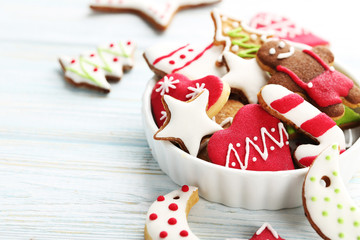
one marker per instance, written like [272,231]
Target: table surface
[75,164]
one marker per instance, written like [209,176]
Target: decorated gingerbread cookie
[184,89]
[245,77]
[167,216]
[266,231]
[158,13]
[187,122]
[309,73]
[236,36]
[255,141]
[327,204]
[193,61]
[284,28]
[95,68]
[292,109]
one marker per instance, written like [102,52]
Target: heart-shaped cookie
[184,89]
[255,141]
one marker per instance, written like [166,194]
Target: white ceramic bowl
[233,187]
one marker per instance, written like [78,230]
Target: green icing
[356,224]
[313,179]
[328,157]
[87,74]
[313,199]
[350,116]
[337,190]
[327,199]
[340,220]
[341,235]
[251,49]
[325,213]
[335,173]
[339,206]
[353,209]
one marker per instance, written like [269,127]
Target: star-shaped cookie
[245,77]
[158,13]
[187,122]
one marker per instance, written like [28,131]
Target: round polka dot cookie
[328,206]
[167,216]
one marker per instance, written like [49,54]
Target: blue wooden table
[74,164]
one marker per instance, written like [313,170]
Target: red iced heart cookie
[284,28]
[255,141]
[184,89]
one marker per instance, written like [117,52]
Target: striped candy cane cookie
[294,110]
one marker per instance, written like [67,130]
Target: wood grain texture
[75,164]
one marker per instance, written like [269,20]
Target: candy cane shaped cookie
[166,218]
[294,110]
[328,206]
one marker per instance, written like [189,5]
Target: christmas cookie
[158,13]
[184,89]
[255,141]
[308,72]
[187,122]
[284,28]
[193,61]
[327,204]
[266,232]
[95,68]
[245,77]
[236,36]
[227,113]
[166,217]
[292,109]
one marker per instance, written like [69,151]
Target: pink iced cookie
[266,232]
[284,28]
[255,141]
[182,88]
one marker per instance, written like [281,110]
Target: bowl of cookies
[242,118]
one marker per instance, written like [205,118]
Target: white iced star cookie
[94,69]
[187,122]
[327,204]
[245,77]
[159,13]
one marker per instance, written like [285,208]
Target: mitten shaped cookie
[309,73]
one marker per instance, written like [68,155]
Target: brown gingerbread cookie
[310,74]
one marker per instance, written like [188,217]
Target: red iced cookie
[284,28]
[255,141]
[184,89]
[266,232]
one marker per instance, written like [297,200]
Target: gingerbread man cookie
[95,68]
[309,73]
[166,217]
[327,204]
[158,13]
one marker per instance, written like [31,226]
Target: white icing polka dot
[226,30]
[310,84]
[235,24]
[238,144]
[272,51]
[282,44]
[233,164]
[272,129]
[235,48]
[253,37]
[255,138]
[254,159]
[272,148]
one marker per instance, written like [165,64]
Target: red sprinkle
[153,216]
[182,56]
[92,55]
[172,62]
[95,69]
[73,61]
[173,207]
[190,50]
[161,198]
[163,234]
[128,43]
[115,59]
[185,188]
[172,221]
[111,45]
[184,233]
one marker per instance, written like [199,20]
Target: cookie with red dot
[95,69]
[167,216]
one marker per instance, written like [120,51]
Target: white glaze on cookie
[166,217]
[193,61]
[188,121]
[329,207]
